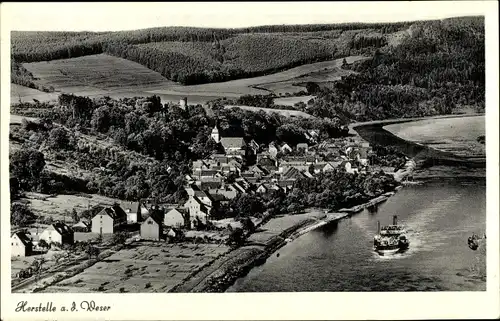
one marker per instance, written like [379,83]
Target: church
[231,145]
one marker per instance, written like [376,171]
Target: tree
[58,138]
[43,244]
[119,237]
[38,266]
[20,214]
[92,251]
[237,237]
[248,225]
[74,215]
[312,88]
[27,165]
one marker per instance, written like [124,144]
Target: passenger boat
[390,239]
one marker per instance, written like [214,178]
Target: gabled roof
[266,161]
[232,142]
[115,212]
[199,193]
[211,184]
[153,218]
[23,237]
[62,228]
[216,197]
[302,145]
[178,209]
[208,172]
[82,223]
[293,172]
[202,205]
[285,183]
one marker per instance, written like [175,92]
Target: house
[286,185]
[108,220]
[209,185]
[293,174]
[173,234]
[233,145]
[215,134]
[262,188]
[273,151]
[220,159]
[349,168]
[135,211]
[254,146]
[285,148]
[197,210]
[82,226]
[268,164]
[58,233]
[228,191]
[21,244]
[302,147]
[151,229]
[176,217]
[362,156]
[328,167]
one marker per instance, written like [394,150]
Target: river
[439,217]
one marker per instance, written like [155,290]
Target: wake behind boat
[390,239]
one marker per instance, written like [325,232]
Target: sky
[129,16]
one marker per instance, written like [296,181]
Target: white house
[175,217]
[21,244]
[58,233]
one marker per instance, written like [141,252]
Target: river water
[439,217]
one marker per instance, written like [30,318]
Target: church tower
[215,134]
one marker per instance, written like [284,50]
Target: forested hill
[203,55]
[438,68]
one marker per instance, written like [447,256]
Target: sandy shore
[273,235]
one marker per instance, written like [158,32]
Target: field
[284,112]
[26,94]
[280,223]
[142,267]
[96,75]
[103,75]
[457,135]
[291,101]
[60,206]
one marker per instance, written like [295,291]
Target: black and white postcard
[258,160]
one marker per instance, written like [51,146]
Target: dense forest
[201,55]
[438,70]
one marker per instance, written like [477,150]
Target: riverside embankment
[271,236]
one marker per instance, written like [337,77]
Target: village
[238,167]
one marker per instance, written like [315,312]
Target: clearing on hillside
[283,112]
[257,85]
[291,101]
[96,75]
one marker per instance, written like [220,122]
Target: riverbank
[266,241]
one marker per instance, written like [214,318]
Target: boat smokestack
[395,220]
[378,227]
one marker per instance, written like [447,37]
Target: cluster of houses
[215,181]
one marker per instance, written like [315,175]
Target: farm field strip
[162,265]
